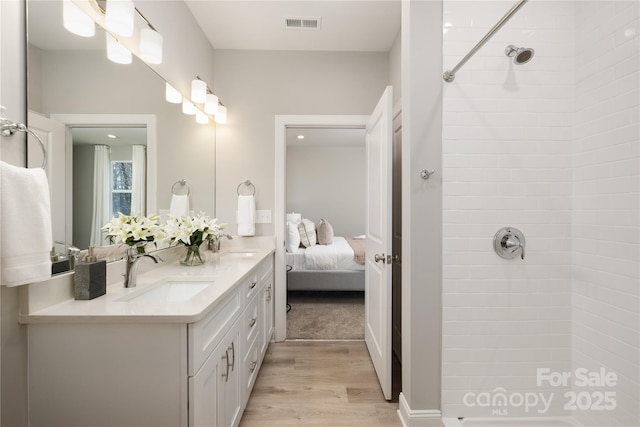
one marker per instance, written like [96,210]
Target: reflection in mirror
[72,84]
[122,176]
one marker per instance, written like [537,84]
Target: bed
[334,267]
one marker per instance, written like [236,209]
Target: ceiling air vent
[302,23]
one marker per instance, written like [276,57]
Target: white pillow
[307,231]
[294,218]
[293,237]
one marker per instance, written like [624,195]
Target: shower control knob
[509,243]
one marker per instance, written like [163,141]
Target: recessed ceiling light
[300,136]
[112,136]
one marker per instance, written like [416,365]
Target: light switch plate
[263,216]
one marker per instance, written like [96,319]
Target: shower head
[521,55]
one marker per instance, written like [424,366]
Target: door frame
[282,122]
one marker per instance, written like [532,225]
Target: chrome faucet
[214,244]
[132,267]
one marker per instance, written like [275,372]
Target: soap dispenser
[90,279]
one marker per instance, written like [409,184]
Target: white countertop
[224,271]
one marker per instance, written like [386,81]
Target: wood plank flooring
[318,383]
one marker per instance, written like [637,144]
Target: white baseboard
[420,417]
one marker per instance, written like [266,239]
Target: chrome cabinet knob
[378,258]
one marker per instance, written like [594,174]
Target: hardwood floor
[318,383]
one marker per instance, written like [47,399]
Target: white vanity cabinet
[127,373]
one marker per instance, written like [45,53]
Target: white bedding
[338,256]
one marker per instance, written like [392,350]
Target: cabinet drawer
[251,321]
[205,334]
[250,286]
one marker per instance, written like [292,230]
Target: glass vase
[192,256]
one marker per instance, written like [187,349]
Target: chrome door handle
[378,258]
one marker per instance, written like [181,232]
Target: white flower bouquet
[192,232]
[133,230]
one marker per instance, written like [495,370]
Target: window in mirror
[121,187]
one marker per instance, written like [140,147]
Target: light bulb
[76,21]
[188,107]
[150,46]
[171,94]
[221,117]
[198,91]
[211,104]
[117,52]
[119,17]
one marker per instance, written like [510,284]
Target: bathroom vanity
[183,348]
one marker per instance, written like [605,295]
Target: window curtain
[101,194]
[138,181]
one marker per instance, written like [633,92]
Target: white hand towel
[25,225]
[179,205]
[246,216]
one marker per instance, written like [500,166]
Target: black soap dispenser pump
[90,279]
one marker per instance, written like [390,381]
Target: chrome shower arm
[450,75]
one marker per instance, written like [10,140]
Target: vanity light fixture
[76,21]
[171,94]
[116,52]
[119,17]
[300,137]
[188,107]
[198,90]
[221,116]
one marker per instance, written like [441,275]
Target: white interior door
[379,147]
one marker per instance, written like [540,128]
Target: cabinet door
[231,382]
[214,392]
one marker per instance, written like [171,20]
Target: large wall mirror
[76,98]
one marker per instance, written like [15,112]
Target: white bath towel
[25,225]
[246,216]
[179,205]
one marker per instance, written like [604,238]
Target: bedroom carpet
[325,315]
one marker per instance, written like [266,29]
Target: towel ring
[182,182]
[8,128]
[248,184]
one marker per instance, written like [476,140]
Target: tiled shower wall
[606,166]
[507,162]
[550,147]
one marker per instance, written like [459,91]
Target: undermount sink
[172,289]
[239,254]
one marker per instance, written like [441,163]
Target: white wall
[257,85]
[606,207]
[507,162]
[329,183]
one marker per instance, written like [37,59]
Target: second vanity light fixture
[120,20]
[200,94]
